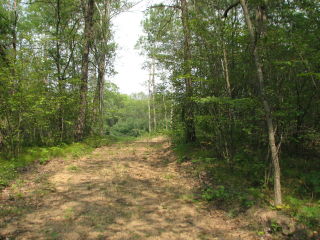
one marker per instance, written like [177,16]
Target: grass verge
[10,168]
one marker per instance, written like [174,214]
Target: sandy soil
[125,191]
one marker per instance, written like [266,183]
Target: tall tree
[88,11]
[267,109]
[188,106]
[101,50]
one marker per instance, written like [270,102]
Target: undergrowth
[237,185]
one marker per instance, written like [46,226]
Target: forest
[233,84]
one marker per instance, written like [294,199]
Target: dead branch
[225,15]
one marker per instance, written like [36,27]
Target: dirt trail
[124,191]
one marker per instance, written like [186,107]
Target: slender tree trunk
[153,96]
[15,77]
[188,105]
[228,138]
[99,96]
[149,102]
[171,115]
[165,112]
[59,72]
[14,40]
[226,70]
[14,31]
[88,32]
[266,105]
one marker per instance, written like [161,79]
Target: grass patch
[168,176]
[73,168]
[305,211]
[10,168]
[11,211]
[191,198]
[69,214]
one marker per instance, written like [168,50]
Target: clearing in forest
[124,191]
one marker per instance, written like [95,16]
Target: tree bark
[88,32]
[266,105]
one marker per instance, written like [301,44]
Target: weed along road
[125,191]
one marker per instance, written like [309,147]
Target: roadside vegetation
[241,80]
[238,187]
[10,168]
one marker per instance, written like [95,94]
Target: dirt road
[124,191]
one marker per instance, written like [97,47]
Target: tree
[271,129]
[88,11]
[102,48]
[49,54]
[188,105]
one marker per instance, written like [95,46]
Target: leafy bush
[218,193]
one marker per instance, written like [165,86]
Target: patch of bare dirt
[125,191]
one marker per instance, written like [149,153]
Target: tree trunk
[153,96]
[14,31]
[100,95]
[58,66]
[226,70]
[188,105]
[165,111]
[149,102]
[267,110]
[101,55]
[88,32]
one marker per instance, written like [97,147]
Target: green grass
[73,168]
[168,176]
[10,168]
[304,211]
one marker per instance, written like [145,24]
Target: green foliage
[219,193]
[132,119]
[177,135]
[40,76]
[232,198]
[275,227]
[305,211]
[312,180]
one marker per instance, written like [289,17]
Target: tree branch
[225,15]
[165,6]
